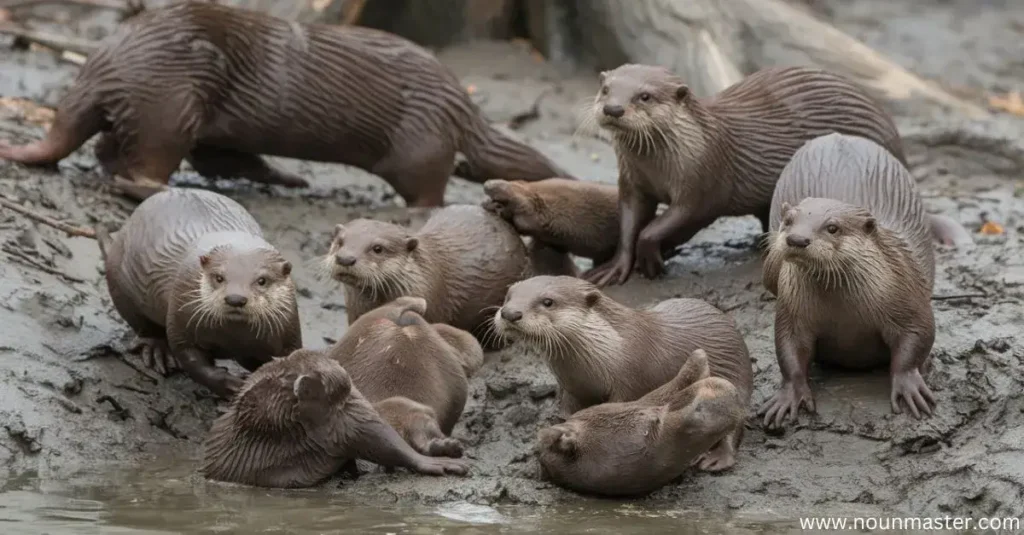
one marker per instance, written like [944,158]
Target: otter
[219,86]
[416,374]
[851,260]
[602,351]
[717,157]
[461,261]
[299,420]
[192,275]
[637,447]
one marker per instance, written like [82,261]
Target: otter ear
[411,243]
[308,388]
[567,444]
[592,298]
[870,225]
[682,92]
[338,229]
[286,268]
[204,260]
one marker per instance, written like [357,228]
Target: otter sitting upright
[636,447]
[192,275]
[602,351]
[415,373]
[297,421]
[851,261]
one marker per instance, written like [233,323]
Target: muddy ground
[73,400]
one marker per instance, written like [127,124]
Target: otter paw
[223,383]
[785,405]
[716,459]
[138,190]
[910,388]
[439,466]
[155,353]
[648,259]
[615,272]
[444,447]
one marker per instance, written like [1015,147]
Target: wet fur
[602,351]
[219,86]
[160,287]
[298,421]
[461,261]
[634,448]
[857,297]
[716,157]
[416,373]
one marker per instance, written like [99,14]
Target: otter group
[645,393]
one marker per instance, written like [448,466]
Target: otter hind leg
[418,170]
[721,456]
[214,162]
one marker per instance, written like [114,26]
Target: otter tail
[491,154]
[947,231]
[78,118]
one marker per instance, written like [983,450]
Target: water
[164,500]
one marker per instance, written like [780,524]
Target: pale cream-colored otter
[602,351]
[299,420]
[636,447]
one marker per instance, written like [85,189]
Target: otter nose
[797,241]
[235,300]
[511,315]
[344,260]
[614,110]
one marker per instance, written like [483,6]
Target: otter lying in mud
[602,351]
[299,420]
[636,447]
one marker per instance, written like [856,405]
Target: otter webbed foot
[719,458]
[614,272]
[439,466]
[784,406]
[155,353]
[648,259]
[910,389]
[443,447]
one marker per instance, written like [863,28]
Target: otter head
[640,103]
[253,286]
[823,234]
[371,255]
[548,311]
[605,449]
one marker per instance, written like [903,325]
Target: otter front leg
[200,367]
[636,210]
[213,162]
[910,353]
[379,443]
[672,223]
[794,349]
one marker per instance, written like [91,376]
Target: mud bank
[72,400]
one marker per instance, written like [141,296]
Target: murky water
[172,499]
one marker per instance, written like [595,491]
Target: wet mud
[72,399]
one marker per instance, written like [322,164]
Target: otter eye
[832,229]
[547,302]
[218,278]
[262,281]
[644,97]
[378,249]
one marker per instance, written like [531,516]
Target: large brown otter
[192,275]
[851,261]
[602,351]
[218,86]
[461,261]
[415,373]
[717,157]
[299,420]
[636,447]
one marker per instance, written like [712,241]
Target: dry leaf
[1012,102]
[26,110]
[992,228]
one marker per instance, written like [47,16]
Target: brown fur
[219,86]
[461,261]
[299,420]
[602,351]
[416,374]
[173,269]
[851,261]
[636,447]
[717,157]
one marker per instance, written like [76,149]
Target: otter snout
[614,111]
[235,300]
[511,315]
[344,260]
[796,240]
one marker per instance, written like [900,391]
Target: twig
[956,296]
[63,227]
[50,40]
[107,4]
[26,259]
[519,120]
